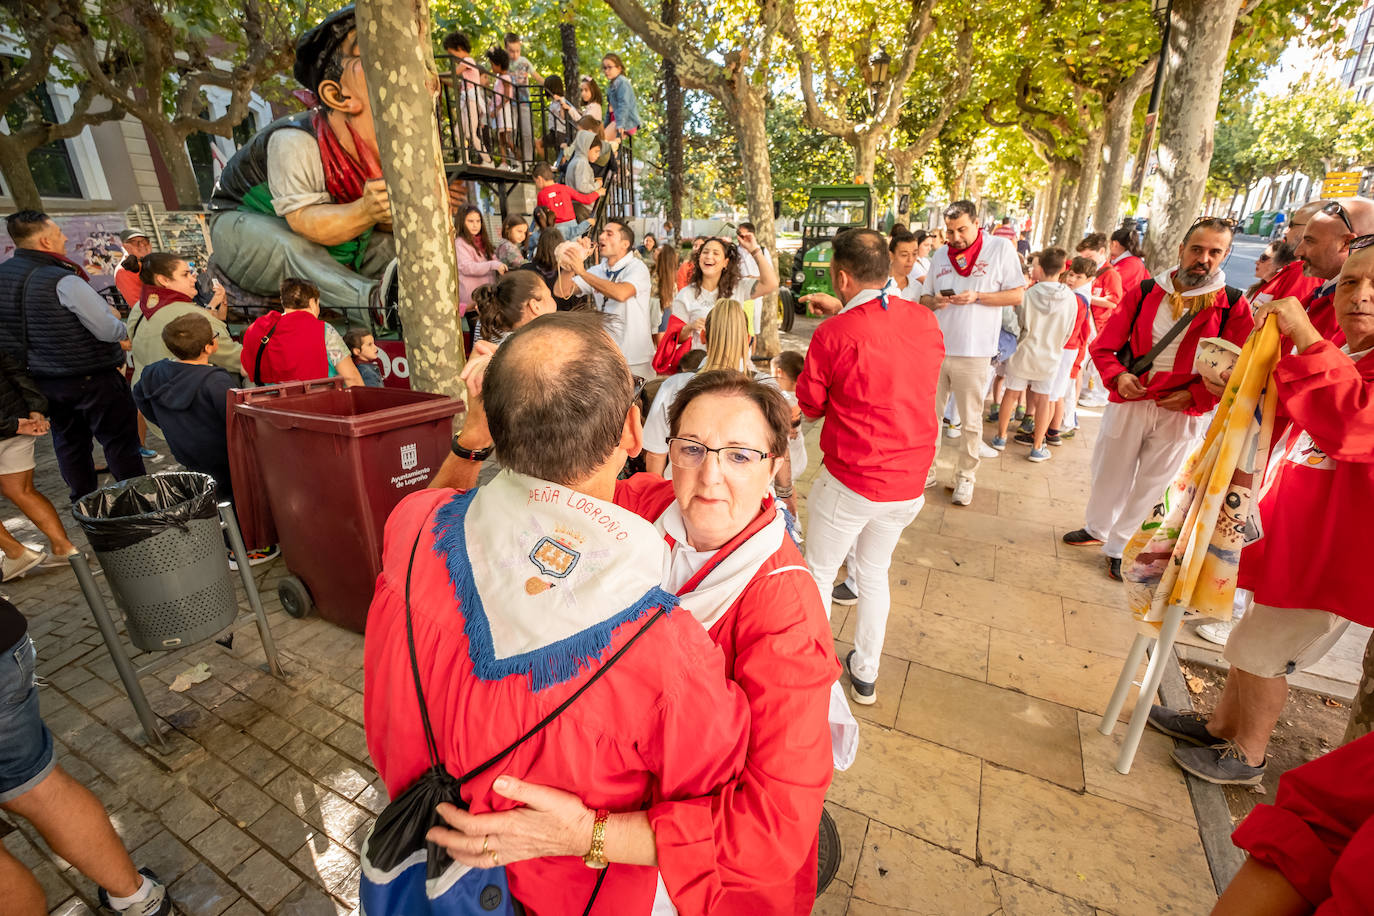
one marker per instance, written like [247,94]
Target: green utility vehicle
[829,209]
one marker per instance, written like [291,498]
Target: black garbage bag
[134,510]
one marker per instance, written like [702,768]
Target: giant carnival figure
[305,197]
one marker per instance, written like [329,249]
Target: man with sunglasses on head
[1158,404]
[1323,248]
[871,372]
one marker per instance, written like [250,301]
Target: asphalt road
[1240,266]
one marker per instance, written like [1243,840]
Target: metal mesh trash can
[160,543]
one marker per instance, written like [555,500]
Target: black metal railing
[498,131]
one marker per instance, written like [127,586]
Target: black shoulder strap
[540,725]
[1146,287]
[1233,297]
[257,372]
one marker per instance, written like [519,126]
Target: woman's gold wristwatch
[596,856]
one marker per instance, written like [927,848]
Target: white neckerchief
[1121,257]
[868,295]
[549,562]
[722,587]
[1356,357]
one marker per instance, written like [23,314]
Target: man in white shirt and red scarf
[970,280]
[1157,412]
[305,197]
[1308,569]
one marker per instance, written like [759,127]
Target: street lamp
[879,65]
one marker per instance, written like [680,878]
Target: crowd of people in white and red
[628,615]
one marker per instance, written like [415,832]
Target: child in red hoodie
[559,198]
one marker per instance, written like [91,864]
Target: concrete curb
[1209,800]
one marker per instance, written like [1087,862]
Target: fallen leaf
[1335,704]
[191,676]
[1196,684]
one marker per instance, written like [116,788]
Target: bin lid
[326,411]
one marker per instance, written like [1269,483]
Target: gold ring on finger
[495,859]
[485,840]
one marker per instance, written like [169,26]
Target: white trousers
[1140,447]
[838,519]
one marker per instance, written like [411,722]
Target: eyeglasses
[639,384]
[1335,209]
[1262,258]
[689,453]
[1359,242]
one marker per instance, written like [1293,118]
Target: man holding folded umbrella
[1308,569]
[1157,402]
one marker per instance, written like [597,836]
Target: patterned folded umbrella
[1187,553]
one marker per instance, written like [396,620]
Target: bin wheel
[294,597]
[828,860]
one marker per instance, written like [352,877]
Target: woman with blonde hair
[728,346]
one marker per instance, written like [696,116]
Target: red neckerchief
[80,271]
[344,176]
[155,298]
[963,259]
[760,522]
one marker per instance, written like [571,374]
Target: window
[202,153]
[51,164]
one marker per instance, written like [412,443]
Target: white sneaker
[963,492]
[930,479]
[1218,631]
[953,432]
[987,451]
[12,568]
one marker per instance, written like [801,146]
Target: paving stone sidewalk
[982,786]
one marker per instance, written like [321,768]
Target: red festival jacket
[665,724]
[295,352]
[871,372]
[1163,380]
[1291,281]
[1313,553]
[1106,285]
[778,648]
[1319,833]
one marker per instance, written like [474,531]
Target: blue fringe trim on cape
[553,664]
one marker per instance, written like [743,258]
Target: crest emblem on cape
[553,558]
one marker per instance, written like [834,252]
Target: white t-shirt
[691,304]
[918,270]
[972,330]
[627,322]
[656,423]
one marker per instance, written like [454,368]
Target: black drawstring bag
[392,881]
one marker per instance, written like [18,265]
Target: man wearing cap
[305,197]
[127,280]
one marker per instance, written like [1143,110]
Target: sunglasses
[1215,222]
[639,384]
[1363,241]
[1262,258]
[1335,209]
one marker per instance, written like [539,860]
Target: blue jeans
[26,751]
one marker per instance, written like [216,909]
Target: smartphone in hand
[947,293]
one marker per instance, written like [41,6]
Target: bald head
[1329,231]
[557,394]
